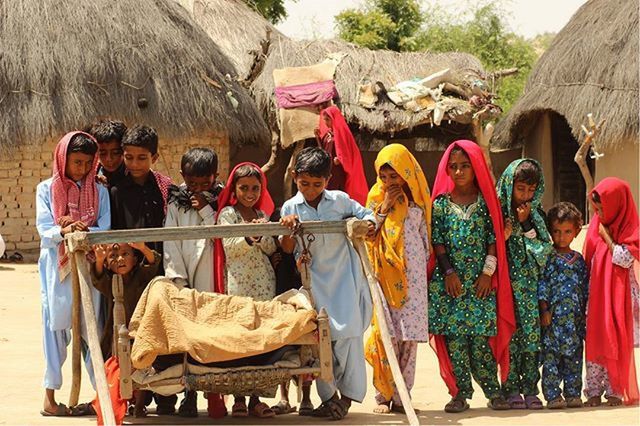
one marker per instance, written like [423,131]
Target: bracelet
[381,215]
[527,225]
[490,264]
[449,271]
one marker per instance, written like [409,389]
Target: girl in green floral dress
[520,190]
[470,305]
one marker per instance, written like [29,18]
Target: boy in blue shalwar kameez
[338,282]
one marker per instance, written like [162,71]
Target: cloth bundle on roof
[298,123]
[300,95]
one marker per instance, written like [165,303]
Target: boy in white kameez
[69,201]
[338,283]
[189,263]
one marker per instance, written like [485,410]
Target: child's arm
[103,223]
[149,255]
[288,242]
[100,252]
[452,284]
[483,284]
[50,233]
[234,246]
[544,296]
[424,236]
[149,268]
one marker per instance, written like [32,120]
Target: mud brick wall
[21,171]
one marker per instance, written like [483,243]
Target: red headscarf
[348,153]
[228,198]
[609,339]
[506,322]
[67,199]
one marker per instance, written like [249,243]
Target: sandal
[16,258]
[456,405]
[239,409]
[306,409]
[498,403]
[533,402]
[322,411]
[614,401]
[397,408]
[261,411]
[338,409]
[189,405]
[383,408]
[516,402]
[61,411]
[594,401]
[557,404]
[574,402]
[84,409]
[283,407]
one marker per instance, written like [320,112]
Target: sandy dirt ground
[22,366]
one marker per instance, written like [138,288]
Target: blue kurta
[57,297]
[564,286]
[338,283]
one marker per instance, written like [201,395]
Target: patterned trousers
[524,372]
[406,353]
[598,382]
[471,355]
[558,368]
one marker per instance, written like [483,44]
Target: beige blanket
[210,327]
[297,124]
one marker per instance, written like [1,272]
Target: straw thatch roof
[237,29]
[590,67]
[361,65]
[62,64]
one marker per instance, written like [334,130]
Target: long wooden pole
[76,351]
[401,386]
[88,314]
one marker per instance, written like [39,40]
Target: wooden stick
[97,361]
[209,231]
[483,139]
[76,351]
[325,352]
[583,151]
[288,176]
[401,386]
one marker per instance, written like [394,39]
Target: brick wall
[23,169]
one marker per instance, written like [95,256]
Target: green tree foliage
[382,24]
[273,10]
[481,31]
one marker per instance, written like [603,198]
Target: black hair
[527,172]
[199,162]
[595,197]
[313,161]
[143,137]
[83,144]
[386,166]
[245,171]
[107,130]
[457,149]
[564,212]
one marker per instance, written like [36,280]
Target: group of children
[480,271]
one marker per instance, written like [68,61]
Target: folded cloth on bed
[210,327]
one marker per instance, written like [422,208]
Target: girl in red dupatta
[471,315]
[611,251]
[347,172]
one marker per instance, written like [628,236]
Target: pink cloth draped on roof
[309,94]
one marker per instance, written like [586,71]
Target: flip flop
[516,402]
[533,402]
[397,408]
[61,411]
[84,409]
[456,405]
[239,409]
[283,407]
[261,411]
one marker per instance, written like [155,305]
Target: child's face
[563,233]
[138,160]
[522,193]
[198,184]
[460,169]
[311,187]
[121,259]
[78,165]
[248,190]
[110,155]
[390,177]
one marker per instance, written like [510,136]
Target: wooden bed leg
[355,229]
[326,352]
[119,317]
[124,360]
[78,246]
[76,365]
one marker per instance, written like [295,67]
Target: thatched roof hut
[65,63]
[590,67]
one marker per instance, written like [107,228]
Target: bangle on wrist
[449,271]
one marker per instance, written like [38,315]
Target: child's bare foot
[383,408]
[614,401]
[594,401]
